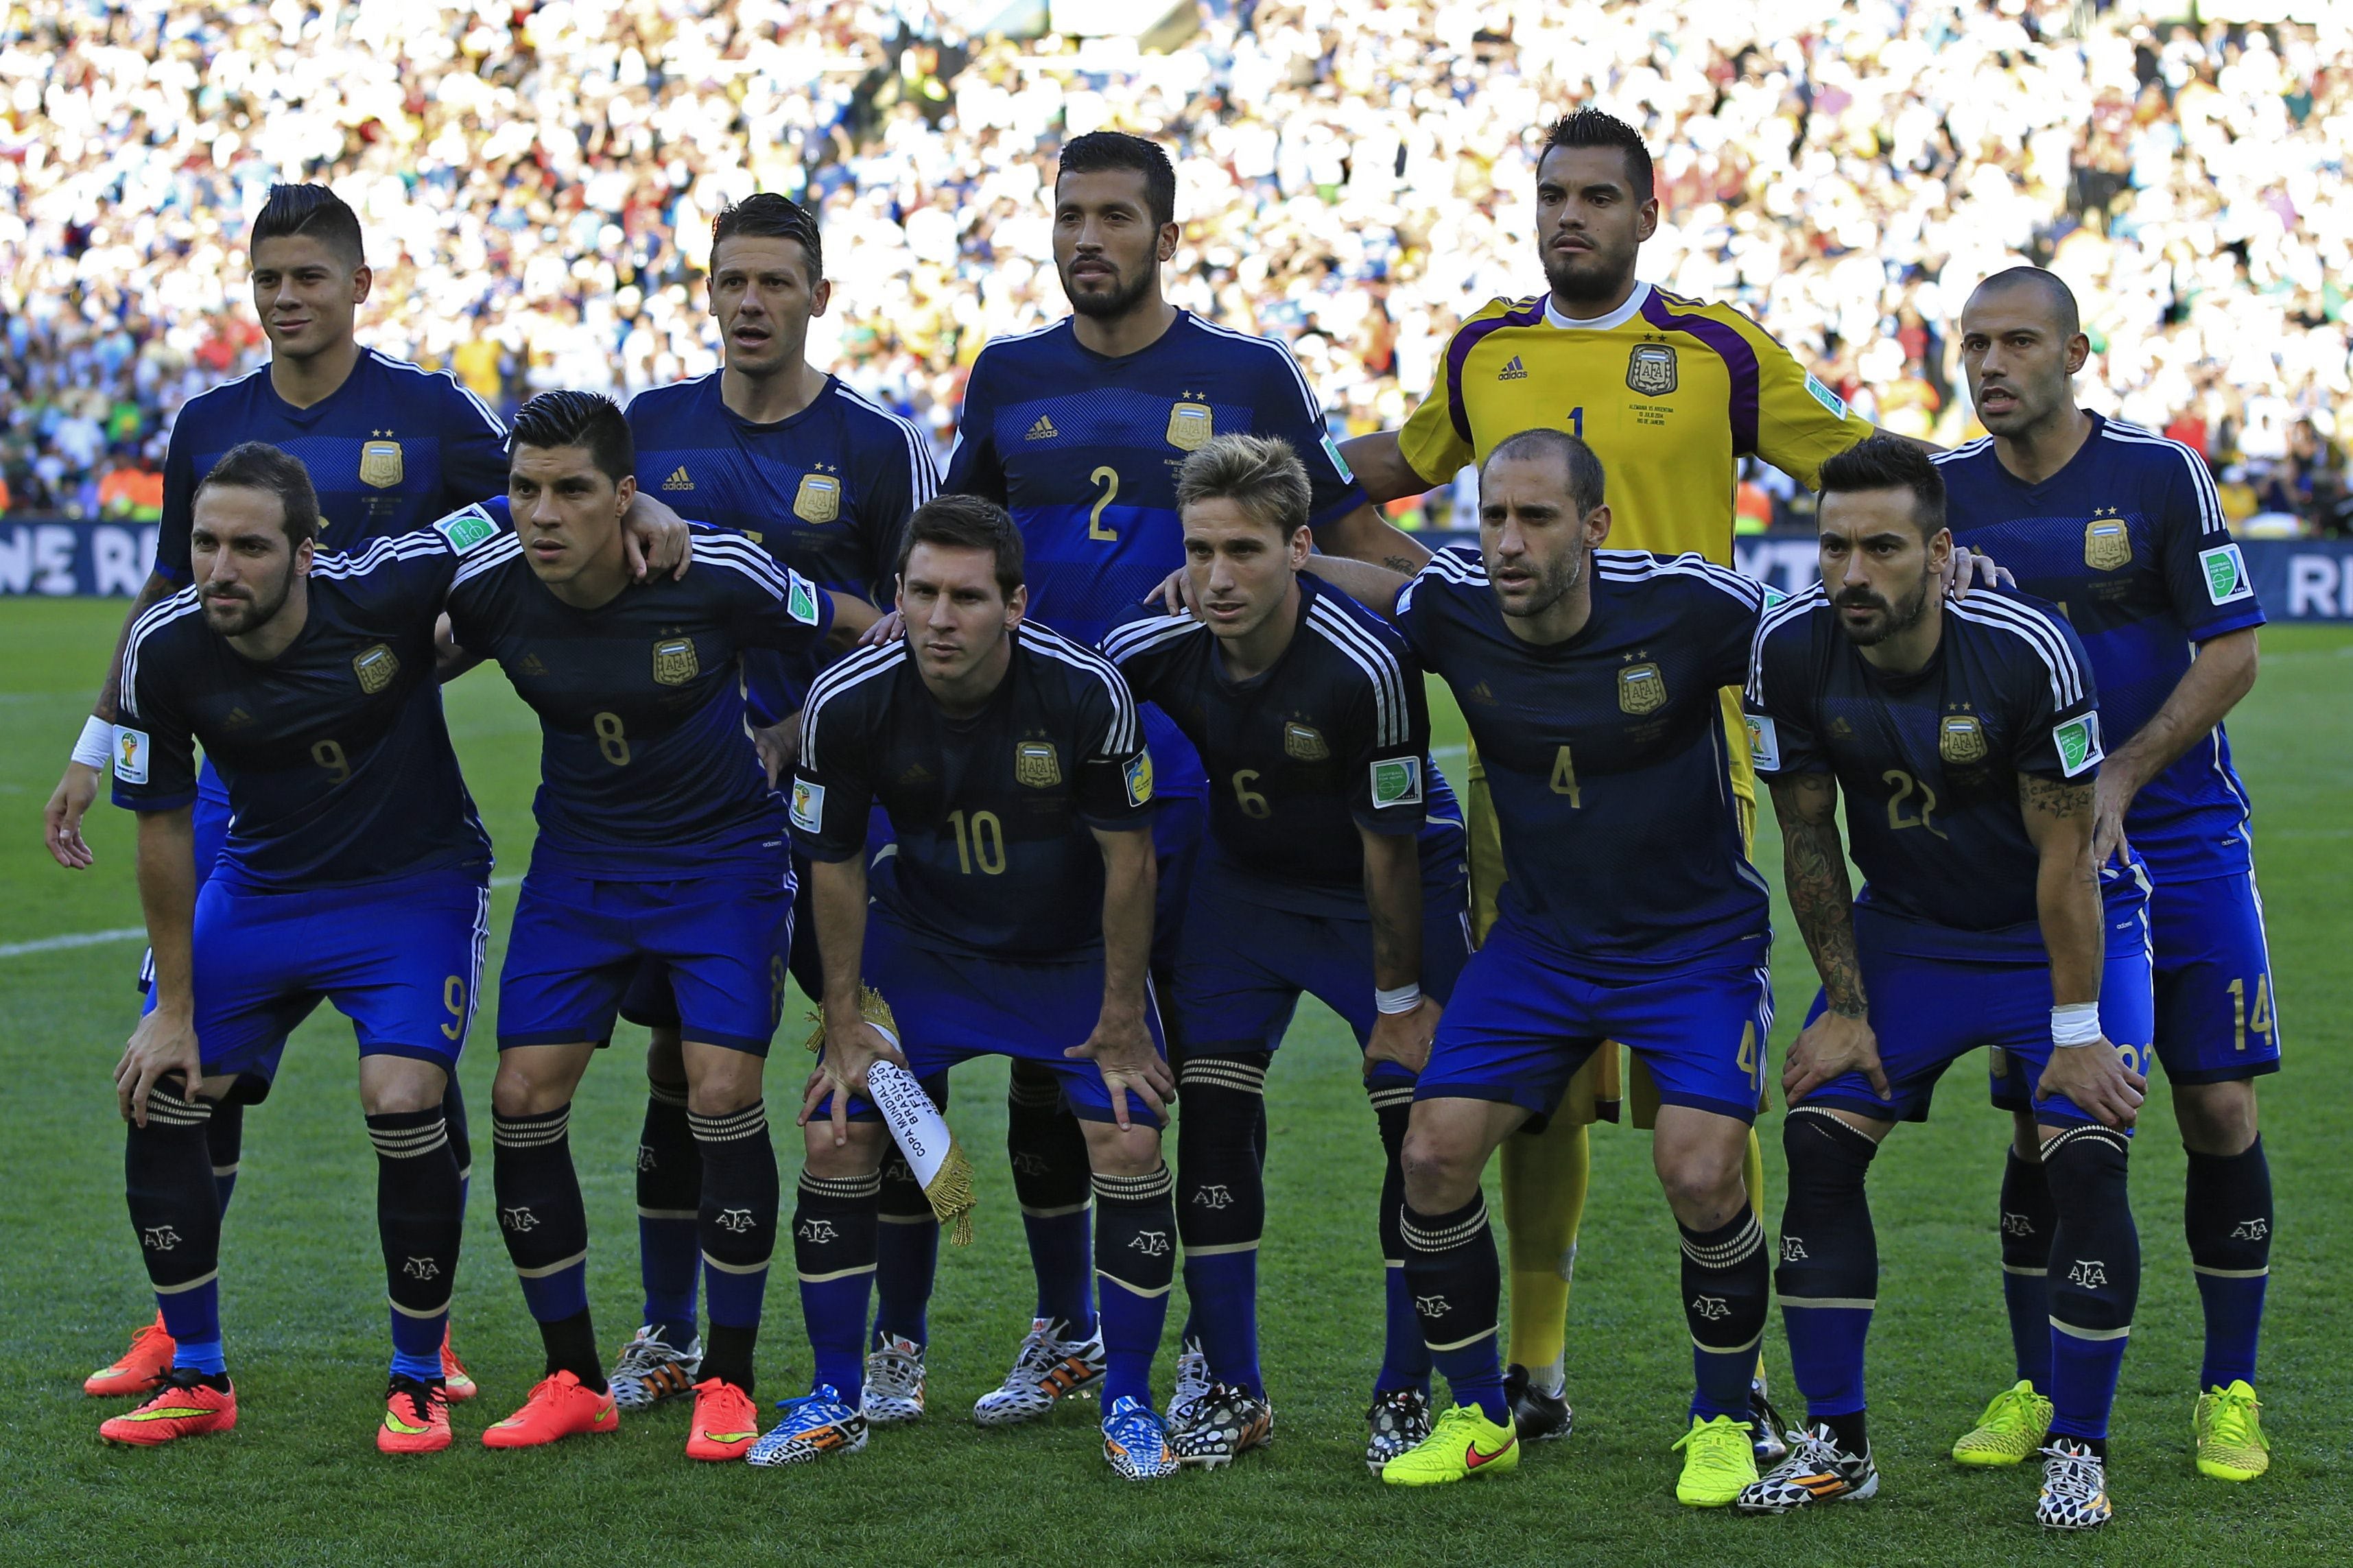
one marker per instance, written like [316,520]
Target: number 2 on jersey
[1108,478]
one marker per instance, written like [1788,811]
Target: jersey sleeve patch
[466,530]
[809,805]
[131,750]
[801,603]
[1332,450]
[1764,743]
[1825,396]
[2078,741]
[1397,780]
[2226,574]
[1138,777]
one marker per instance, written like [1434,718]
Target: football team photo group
[1104,740]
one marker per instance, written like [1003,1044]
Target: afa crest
[380,465]
[1641,688]
[376,666]
[818,499]
[674,661]
[1037,764]
[1960,738]
[1188,426]
[1305,743]
[1651,369]
[2107,544]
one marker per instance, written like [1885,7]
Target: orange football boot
[726,1422]
[140,1370]
[186,1407]
[457,1383]
[558,1407]
[416,1418]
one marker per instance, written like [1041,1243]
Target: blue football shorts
[2217,1017]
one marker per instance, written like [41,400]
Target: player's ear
[1302,545]
[362,280]
[1169,235]
[1016,607]
[305,553]
[1940,550]
[819,295]
[624,492]
[1646,220]
[1597,525]
[2078,351]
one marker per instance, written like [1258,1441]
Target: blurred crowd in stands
[537,183]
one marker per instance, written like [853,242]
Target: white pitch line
[124,934]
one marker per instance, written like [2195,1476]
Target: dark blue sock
[2028,1223]
[541,1213]
[1223,1286]
[906,1255]
[1061,1254]
[1136,1219]
[1458,1287]
[417,1344]
[1826,1348]
[1405,1355]
[1726,1285]
[833,1248]
[225,1143]
[1221,1207]
[1050,1177]
[669,1197]
[192,1317]
[2227,1218]
[174,1209]
[1827,1277]
[2095,1276]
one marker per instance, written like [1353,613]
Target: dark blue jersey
[388,451]
[645,767]
[1928,763]
[1333,737]
[2128,540]
[1605,754]
[1083,450]
[827,492]
[991,812]
[337,761]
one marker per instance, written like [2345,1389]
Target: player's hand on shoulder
[1175,594]
[1831,1046]
[1403,1038]
[2096,1079]
[1122,1047]
[163,1043]
[779,746]
[890,627]
[655,539]
[61,819]
[1971,568]
[2112,796]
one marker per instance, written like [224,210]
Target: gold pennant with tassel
[921,1132]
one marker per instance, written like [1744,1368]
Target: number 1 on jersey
[1108,478]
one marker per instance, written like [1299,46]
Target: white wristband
[96,747]
[2075,1023]
[1404,999]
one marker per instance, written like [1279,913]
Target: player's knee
[395,1086]
[1440,1170]
[2216,1118]
[1827,1250]
[529,1085]
[1705,1183]
[862,1155]
[720,1082]
[1114,1152]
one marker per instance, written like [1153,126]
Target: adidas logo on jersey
[678,479]
[238,718]
[1515,371]
[531,665]
[1042,431]
[1480,693]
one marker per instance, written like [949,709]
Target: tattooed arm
[1814,867]
[2059,820]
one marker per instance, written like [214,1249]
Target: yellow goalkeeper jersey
[1670,392]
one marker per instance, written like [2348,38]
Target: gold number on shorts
[612,740]
[1108,478]
[1748,1059]
[1253,804]
[1905,784]
[453,996]
[1564,779]
[329,756]
[2240,1024]
[982,841]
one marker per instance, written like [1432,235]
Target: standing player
[822,479]
[1018,923]
[1591,680]
[1965,739]
[1078,429]
[1334,868]
[1670,393]
[2123,530]
[659,840]
[355,869]
[390,447]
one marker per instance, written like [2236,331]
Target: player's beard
[1893,617]
[1121,301]
[249,613]
[1555,583]
[1594,278]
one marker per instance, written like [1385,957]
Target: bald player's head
[2021,338]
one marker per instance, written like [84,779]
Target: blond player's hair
[1260,474]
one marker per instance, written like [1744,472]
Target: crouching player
[661,840]
[1590,679]
[1018,923]
[1334,868]
[1966,739]
[354,870]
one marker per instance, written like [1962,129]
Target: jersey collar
[1617,317]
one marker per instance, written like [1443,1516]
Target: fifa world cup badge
[380,464]
[674,661]
[1641,688]
[2108,544]
[376,666]
[1037,764]
[1189,426]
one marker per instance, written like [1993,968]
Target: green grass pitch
[300,1480]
